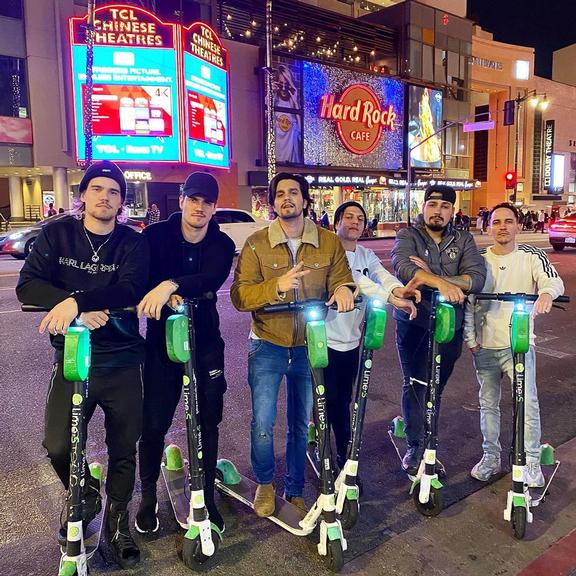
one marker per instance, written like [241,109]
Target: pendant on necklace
[95,258]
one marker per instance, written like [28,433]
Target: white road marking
[553,353]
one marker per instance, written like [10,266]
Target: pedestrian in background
[152,214]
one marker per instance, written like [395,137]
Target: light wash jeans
[267,366]
[491,365]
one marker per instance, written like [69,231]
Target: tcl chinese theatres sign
[359,116]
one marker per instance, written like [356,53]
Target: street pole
[269,97]
[516,141]
[90,33]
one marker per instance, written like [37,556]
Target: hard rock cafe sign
[359,116]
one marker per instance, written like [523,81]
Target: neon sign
[359,117]
[207,125]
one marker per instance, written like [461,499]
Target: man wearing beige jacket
[292,259]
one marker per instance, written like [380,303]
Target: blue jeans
[491,365]
[267,366]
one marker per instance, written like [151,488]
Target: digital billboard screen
[424,120]
[135,113]
[206,92]
[351,119]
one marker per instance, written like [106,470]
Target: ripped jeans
[267,366]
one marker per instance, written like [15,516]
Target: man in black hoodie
[189,257]
[83,267]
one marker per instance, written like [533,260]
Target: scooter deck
[285,515]
[93,533]
[176,483]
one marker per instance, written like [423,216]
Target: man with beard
[189,257]
[511,268]
[292,259]
[438,256]
[82,266]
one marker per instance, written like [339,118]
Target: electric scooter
[519,500]
[426,488]
[332,542]
[347,490]
[185,479]
[78,546]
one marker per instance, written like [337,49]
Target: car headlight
[15,236]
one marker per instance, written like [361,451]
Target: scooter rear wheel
[519,521]
[349,515]
[434,505]
[192,555]
[334,559]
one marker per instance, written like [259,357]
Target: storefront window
[324,199]
[136,199]
[13,92]
[11,8]
[260,207]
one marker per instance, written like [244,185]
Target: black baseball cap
[105,169]
[440,192]
[201,184]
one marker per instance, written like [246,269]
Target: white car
[238,224]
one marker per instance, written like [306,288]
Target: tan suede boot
[265,500]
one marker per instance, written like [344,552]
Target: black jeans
[339,378]
[118,391]
[162,390]
[412,344]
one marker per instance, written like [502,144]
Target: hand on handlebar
[344,299]
[543,305]
[60,317]
[451,293]
[94,320]
[151,305]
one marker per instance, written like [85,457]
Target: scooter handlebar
[300,306]
[513,297]
[35,308]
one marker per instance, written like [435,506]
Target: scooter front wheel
[519,521]
[334,559]
[434,505]
[192,555]
[349,515]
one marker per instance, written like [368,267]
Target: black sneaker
[147,516]
[117,532]
[411,460]
[216,517]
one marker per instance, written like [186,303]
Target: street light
[536,100]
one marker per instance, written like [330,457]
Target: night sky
[545,25]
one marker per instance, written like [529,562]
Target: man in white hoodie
[512,268]
[344,330]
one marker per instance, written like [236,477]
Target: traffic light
[510,178]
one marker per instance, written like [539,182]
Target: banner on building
[548,152]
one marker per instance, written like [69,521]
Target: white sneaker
[533,475]
[488,466]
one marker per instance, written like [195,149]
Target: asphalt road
[31,497]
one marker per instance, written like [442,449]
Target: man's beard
[103,218]
[436,227]
[296,214]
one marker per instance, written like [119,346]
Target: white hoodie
[374,281]
[527,269]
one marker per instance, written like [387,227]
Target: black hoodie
[197,268]
[61,264]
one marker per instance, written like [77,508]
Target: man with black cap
[344,331]
[292,259]
[189,256]
[432,253]
[82,266]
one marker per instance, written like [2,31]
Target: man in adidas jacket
[510,267]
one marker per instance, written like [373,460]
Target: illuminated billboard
[207,128]
[135,112]
[424,120]
[351,119]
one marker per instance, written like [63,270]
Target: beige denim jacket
[266,256]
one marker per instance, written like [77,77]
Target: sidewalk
[471,538]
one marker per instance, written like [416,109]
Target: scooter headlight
[519,306]
[377,303]
[312,314]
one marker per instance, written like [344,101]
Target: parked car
[562,232]
[18,243]
[238,224]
